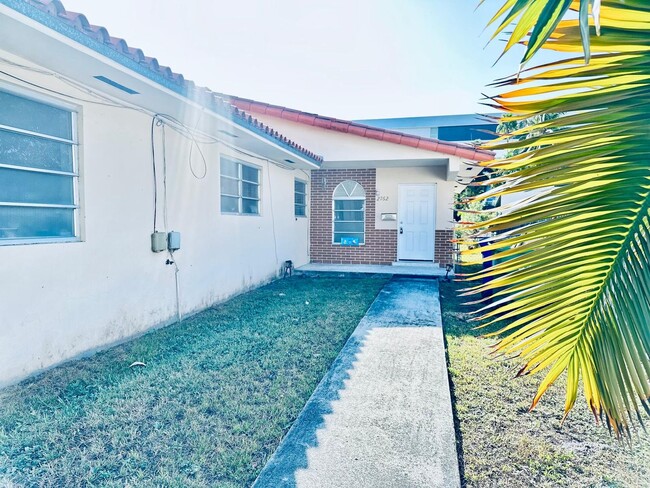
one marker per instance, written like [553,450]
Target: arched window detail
[349,209]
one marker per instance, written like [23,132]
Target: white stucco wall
[388,181]
[60,300]
[342,147]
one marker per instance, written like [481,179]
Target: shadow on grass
[458,319]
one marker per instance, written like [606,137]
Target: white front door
[416,222]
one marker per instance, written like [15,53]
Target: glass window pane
[35,152]
[250,190]
[229,186]
[349,204]
[338,236]
[249,173]
[300,210]
[348,227]
[26,114]
[30,222]
[230,204]
[349,215]
[300,187]
[229,168]
[300,198]
[349,188]
[250,206]
[29,187]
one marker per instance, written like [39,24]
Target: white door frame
[400,188]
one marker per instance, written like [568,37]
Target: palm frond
[572,272]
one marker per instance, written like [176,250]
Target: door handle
[401,230]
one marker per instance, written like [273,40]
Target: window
[38,174]
[349,212]
[483,132]
[240,188]
[300,198]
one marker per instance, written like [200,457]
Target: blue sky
[342,58]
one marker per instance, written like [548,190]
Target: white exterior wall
[60,300]
[388,181]
[340,146]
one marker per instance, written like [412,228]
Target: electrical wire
[195,136]
[205,163]
[162,120]
[56,92]
[164,152]
[275,238]
[175,124]
[155,179]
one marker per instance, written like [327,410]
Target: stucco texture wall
[337,146]
[60,300]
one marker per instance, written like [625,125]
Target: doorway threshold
[419,264]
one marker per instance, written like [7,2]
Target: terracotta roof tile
[99,33]
[464,151]
[120,45]
[394,138]
[357,131]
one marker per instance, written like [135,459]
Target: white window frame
[295,192]
[348,197]
[240,180]
[74,174]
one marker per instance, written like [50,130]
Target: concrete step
[419,264]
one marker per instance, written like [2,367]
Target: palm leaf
[572,272]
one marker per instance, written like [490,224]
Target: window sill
[29,242]
[234,214]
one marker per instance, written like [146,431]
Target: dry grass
[505,445]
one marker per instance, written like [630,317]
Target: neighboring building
[468,128]
[100,146]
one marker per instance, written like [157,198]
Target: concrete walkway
[382,416]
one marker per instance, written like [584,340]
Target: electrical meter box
[158,241]
[174,241]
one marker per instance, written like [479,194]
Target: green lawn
[217,394]
[503,445]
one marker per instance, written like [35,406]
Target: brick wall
[443,250]
[381,244]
